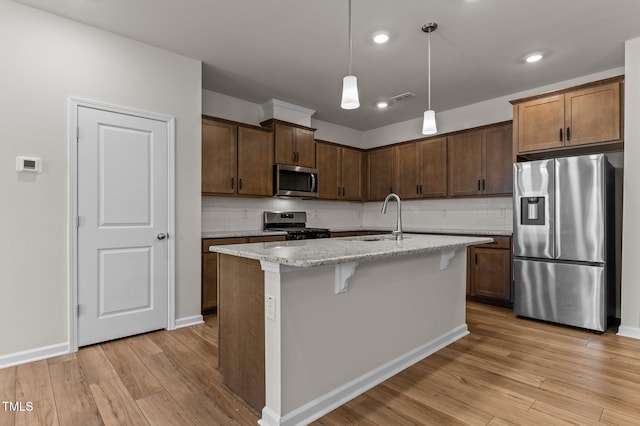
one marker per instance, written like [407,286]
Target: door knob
[161,236]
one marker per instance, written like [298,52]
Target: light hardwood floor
[507,371]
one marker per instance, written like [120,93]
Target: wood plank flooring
[507,371]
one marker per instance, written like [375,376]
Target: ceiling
[296,50]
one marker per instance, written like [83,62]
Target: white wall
[46,59]
[630,321]
[487,112]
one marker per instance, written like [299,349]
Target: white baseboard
[188,321]
[626,331]
[332,400]
[34,355]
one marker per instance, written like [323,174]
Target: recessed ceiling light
[380,38]
[382,104]
[534,57]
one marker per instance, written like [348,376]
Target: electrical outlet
[271,307]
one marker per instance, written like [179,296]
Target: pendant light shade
[350,98]
[429,123]
[429,120]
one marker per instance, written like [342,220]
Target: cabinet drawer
[267,239]
[220,241]
[498,242]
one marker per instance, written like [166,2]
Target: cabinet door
[541,124]
[284,137]
[380,173]
[592,115]
[497,160]
[255,162]
[351,174]
[304,147]
[464,161]
[209,281]
[433,167]
[406,171]
[491,273]
[218,157]
[328,163]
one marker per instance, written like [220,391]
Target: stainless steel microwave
[295,181]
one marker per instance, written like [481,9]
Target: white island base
[324,347]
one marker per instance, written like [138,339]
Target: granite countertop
[330,251]
[241,233]
[454,231]
[261,233]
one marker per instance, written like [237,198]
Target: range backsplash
[226,213]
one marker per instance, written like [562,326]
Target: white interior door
[122,250]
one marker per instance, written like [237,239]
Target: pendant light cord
[350,38]
[428,68]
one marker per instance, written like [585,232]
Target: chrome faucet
[398,231]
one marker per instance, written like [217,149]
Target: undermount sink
[374,238]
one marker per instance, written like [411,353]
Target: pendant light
[429,121]
[350,98]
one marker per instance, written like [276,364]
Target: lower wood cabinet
[489,272]
[209,301]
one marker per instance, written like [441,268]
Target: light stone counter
[331,251]
[454,231]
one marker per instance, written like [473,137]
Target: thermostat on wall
[28,164]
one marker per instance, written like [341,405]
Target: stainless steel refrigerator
[563,240]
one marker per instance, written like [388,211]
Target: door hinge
[77,222]
[77,134]
[77,310]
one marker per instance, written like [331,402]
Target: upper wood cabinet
[293,144]
[380,173]
[585,115]
[480,161]
[340,172]
[219,159]
[236,159]
[421,169]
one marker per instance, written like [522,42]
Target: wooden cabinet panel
[497,161]
[209,276]
[433,167]
[576,117]
[305,147]
[267,239]
[465,165]
[407,178]
[351,174]
[209,279]
[540,124]
[255,162]
[218,157]
[328,164]
[293,144]
[340,170]
[491,271]
[284,152]
[480,161]
[241,325]
[380,173]
[592,115]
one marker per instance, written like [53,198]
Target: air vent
[402,96]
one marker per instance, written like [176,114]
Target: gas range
[294,224]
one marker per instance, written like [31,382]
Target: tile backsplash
[228,214]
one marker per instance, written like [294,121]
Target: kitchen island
[305,326]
